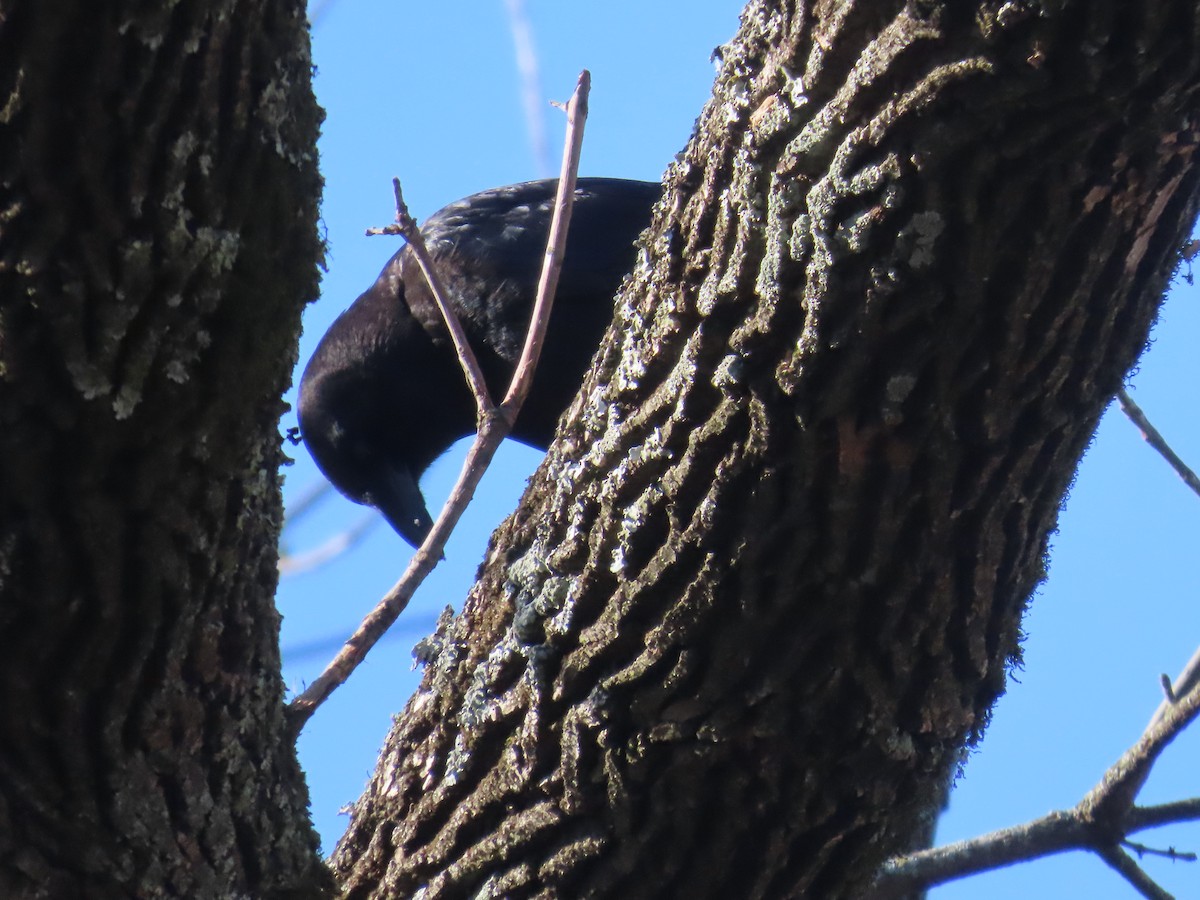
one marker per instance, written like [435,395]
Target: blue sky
[431,93]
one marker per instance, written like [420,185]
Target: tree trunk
[765,587]
[158,202]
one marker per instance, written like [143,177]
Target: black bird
[383,395]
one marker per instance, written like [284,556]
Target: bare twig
[1123,865]
[1157,441]
[1100,823]
[556,245]
[1142,817]
[1187,680]
[494,426]
[406,227]
[1170,853]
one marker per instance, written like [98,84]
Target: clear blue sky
[431,93]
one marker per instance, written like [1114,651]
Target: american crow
[383,395]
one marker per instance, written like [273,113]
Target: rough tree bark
[158,205]
[766,585]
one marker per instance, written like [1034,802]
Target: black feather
[383,395]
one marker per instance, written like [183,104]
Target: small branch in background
[495,422]
[1156,440]
[299,563]
[304,504]
[1101,823]
[531,87]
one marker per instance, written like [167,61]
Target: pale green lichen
[922,234]
[126,400]
[730,373]
[275,115]
[15,101]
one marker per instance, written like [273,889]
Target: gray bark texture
[158,206]
[767,584]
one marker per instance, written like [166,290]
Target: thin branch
[1100,823]
[413,628]
[1121,863]
[494,426]
[1157,441]
[904,875]
[406,227]
[1112,799]
[1143,817]
[1170,853]
[556,245]
[1187,680]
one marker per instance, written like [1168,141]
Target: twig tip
[1167,687]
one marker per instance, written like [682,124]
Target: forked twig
[494,425]
[1157,441]
[1107,815]
[406,227]
[1101,823]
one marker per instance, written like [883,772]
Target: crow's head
[383,395]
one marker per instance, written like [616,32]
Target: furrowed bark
[765,587]
[158,201]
